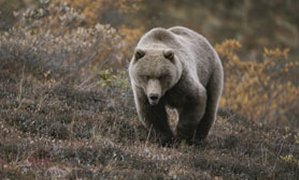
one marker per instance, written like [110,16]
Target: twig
[19,98]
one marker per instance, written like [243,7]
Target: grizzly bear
[177,68]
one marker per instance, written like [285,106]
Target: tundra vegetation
[67,110]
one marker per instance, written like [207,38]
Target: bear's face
[155,71]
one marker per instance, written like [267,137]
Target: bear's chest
[181,94]
[175,98]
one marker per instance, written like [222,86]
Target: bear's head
[155,71]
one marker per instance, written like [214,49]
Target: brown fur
[176,67]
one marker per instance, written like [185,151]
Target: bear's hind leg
[214,91]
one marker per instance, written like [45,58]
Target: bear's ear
[169,54]
[139,53]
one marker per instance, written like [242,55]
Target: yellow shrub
[90,13]
[258,89]
[93,10]
[130,38]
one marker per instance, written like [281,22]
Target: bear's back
[159,38]
[185,33]
[191,38]
[177,37]
[202,55]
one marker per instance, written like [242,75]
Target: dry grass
[68,131]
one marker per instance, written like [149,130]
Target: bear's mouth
[153,99]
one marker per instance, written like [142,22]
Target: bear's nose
[154,97]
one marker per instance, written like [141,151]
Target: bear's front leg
[189,117]
[154,117]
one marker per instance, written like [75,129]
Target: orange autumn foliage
[258,89]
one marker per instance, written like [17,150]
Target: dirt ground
[54,126]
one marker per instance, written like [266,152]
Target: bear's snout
[153,91]
[153,98]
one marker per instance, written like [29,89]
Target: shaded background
[254,23]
